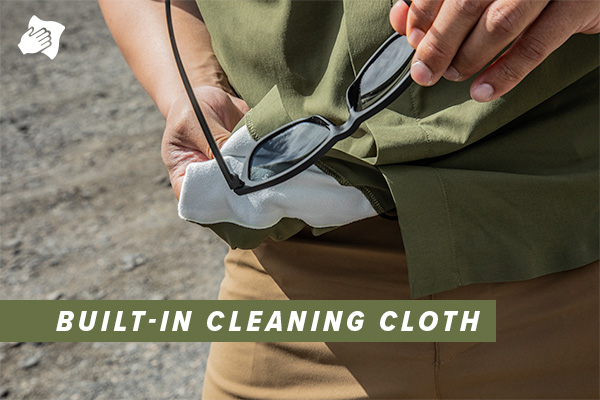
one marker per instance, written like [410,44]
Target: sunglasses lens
[382,74]
[285,150]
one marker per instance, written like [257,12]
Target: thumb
[229,111]
[398,16]
[193,137]
[240,104]
[29,31]
[220,134]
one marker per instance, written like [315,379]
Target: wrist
[24,49]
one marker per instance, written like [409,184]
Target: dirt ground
[86,211]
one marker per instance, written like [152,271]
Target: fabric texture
[546,343]
[501,191]
[313,197]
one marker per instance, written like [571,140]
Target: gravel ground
[87,212]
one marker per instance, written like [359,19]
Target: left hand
[457,38]
[183,140]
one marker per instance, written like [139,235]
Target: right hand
[33,42]
[458,38]
[183,140]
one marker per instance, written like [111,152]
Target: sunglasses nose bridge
[342,129]
[351,125]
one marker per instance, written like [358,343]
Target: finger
[421,15]
[240,104]
[40,32]
[224,110]
[499,25]
[221,115]
[176,159]
[45,44]
[185,134]
[398,15]
[545,35]
[43,37]
[452,25]
[30,31]
[219,132]
[220,123]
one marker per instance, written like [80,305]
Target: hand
[457,38]
[183,140]
[34,42]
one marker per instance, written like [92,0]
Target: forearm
[139,29]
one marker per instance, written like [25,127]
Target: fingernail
[482,92]
[421,73]
[415,37]
[452,74]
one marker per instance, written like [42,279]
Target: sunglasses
[292,148]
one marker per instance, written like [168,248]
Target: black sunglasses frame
[336,133]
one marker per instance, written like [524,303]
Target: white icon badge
[42,36]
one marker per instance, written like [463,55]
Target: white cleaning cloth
[55,30]
[311,196]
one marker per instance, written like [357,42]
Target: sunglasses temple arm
[232,179]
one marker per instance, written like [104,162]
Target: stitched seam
[418,120]
[451,225]
[250,126]
[366,128]
[349,50]
[344,182]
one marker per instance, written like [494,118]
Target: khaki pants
[547,329]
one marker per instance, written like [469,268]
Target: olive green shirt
[484,192]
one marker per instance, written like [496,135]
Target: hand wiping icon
[41,36]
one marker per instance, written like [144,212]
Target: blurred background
[86,211]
